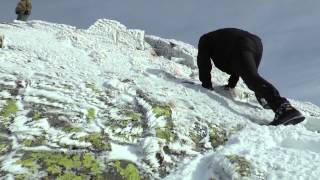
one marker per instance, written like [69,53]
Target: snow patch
[118,33]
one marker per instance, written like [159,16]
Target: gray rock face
[171,49]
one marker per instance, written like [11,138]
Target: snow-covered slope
[110,102]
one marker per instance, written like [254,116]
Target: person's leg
[247,66]
[247,69]
[257,58]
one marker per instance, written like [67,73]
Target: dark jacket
[24,6]
[221,46]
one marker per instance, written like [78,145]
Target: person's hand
[27,12]
[207,86]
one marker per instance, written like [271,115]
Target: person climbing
[238,53]
[23,10]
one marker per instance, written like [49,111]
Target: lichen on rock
[133,116]
[197,133]
[166,133]
[126,126]
[36,141]
[162,110]
[241,165]
[91,114]
[99,141]
[58,165]
[10,109]
[5,145]
[218,136]
[71,129]
[123,170]
[36,115]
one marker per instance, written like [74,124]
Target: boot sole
[294,121]
[291,121]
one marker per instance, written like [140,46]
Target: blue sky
[288,29]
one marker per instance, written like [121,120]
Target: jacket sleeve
[19,7]
[233,80]
[204,63]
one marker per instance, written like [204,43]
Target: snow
[58,64]
[123,153]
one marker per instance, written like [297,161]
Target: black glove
[27,12]
[207,86]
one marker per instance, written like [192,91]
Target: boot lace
[283,107]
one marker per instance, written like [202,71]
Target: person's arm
[233,80]
[204,65]
[28,7]
[19,7]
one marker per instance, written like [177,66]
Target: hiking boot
[286,115]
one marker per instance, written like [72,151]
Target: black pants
[245,64]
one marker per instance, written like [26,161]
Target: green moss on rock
[166,133]
[71,129]
[63,166]
[71,175]
[218,136]
[92,87]
[29,163]
[5,145]
[99,141]
[20,177]
[124,123]
[3,148]
[36,116]
[9,109]
[241,165]
[127,171]
[196,137]
[91,114]
[27,142]
[163,110]
[128,120]
[197,133]
[91,164]
[37,141]
[55,170]
[133,116]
